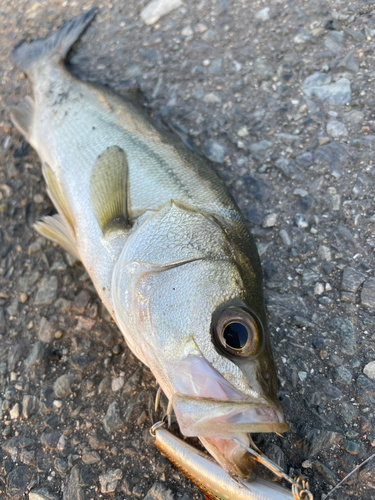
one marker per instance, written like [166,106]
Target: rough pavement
[280,95]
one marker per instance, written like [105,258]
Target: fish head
[188,297]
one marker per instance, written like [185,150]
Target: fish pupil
[235,335]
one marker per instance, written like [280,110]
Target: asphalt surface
[280,96]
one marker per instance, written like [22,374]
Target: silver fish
[164,244]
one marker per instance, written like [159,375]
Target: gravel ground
[280,96]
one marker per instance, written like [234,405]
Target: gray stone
[342,376]
[2,317]
[62,385]
[320,440]
[159,492]
[287,166]
[29,406]
[369,370]
[285,305]
[334,41]
[198,94]
[351,447]
[327,474]
[317,79]
[90,457]
[349,63]
[81,301]
[133,72]
[300,221]
[73,490]
[109,480]
[259,149]
[112,420]
[351,281]
[354,117]
[61,466]
[50,439]
[27,457]
[270,220]
[344,329]
[214,151]
[262,69]
[336,93]
[336,129]
[46,331]
[215,67]
[36,354]
[14,412]
[285,237]
[42,494]
[305,159]
[348,412]
[18,481]
[368,293]
[47,291]
[157,9]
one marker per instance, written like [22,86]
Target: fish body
[164,244]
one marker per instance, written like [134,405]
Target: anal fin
[53,228]
[22,116]
[109,190]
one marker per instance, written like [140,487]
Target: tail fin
[26,54]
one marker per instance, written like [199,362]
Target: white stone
[117,383]
[270,220]
[263,14]
[242,132]
[187,31]
[369,370]
[318,289]
[157,9]
[211,99]
[15,412]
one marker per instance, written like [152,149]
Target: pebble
[320,440]
[46,331]
[112,420]
[300,221]
[264,14]
[50,439]
[243,132]
[42,494]
[344,329]
[14,412]
[29,406]
[215,67]
[350,282]
[73,489]
[211,99]
[305,159]
[47,291]
[369,370]
[109,480]
[82,301]
[368,293]
[18,481]
[285,237]
[118,383]
[287,166]
[324,253]
[91,457]
[337,93]
[60,465]
[319,289]
[270,220]
[351,447]
[36,355]
[62,386]
[343,376]
[157,9]
[23,297]
[214,151]
[354,117]
[159,492]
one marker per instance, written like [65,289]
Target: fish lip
[223,419]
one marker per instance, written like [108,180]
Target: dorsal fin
[54,229]
[57,195]
[109,190]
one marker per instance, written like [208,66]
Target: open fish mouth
[223,419]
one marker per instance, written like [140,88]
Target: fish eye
[237,332]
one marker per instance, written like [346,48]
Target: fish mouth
[208,418]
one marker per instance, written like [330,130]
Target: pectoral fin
[54,229]
[109,190]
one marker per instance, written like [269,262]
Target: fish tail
[59,43]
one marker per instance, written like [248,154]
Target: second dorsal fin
[109,190]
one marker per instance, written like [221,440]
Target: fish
[164,244]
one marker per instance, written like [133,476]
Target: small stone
[214,151]
[287,166]
[159,492]
[324,253]
[117,383]
[336,93]
[18,481]
[46,331]
[23,297]
[36,354]
[369,370]
[285,237]
[320,440]
[302,376]
[270,220]
[343,376]
[73,489]
[350,283]
[336,129]
[264,14]
[29,406]
[211,99]
[319,289]
[198,94]
[157,9]
[329,476]
[50,439]
[42,494]
[27,457]
[348,412]
[187,31]
[349,63]
[305,159]
[215,67]
[47,291]
[112,420]
[91,457]
[300,221]
[351,447]
[368,293]
[82,301]
[15,412]
[317,79]
[62,385]
[243,132]
[300,192]
[61,466]
[345,331]
[354,117]
[109,480]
